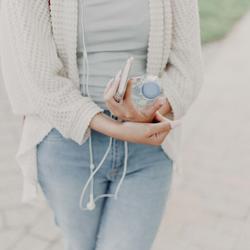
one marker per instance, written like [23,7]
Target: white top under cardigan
[114,31]
[38,60]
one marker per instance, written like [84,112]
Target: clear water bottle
[146,89]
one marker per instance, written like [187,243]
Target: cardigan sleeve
[183,74]
[53,96]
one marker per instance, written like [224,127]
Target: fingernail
[175,124]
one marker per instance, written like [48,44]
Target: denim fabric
[127,223]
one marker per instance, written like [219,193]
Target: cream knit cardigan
[38,60]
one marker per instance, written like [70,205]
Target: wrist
[106,125]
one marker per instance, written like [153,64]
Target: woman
[44,49]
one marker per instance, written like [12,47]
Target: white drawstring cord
[92,167]
[90,179]
[91,203]
[93,170]
[85,66]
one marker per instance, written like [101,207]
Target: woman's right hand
[143,133]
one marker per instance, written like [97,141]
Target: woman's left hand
[126,110]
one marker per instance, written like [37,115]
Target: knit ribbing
[38,57]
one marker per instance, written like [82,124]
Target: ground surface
[210,209]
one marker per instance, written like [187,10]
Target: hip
[55,150]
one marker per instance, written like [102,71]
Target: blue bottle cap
[151,89]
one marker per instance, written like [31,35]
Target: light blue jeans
[127,223]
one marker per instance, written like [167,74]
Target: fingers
[159,131]
[159,117]
[108,85]
[159,128]
[157,139]
[166,108]
[173,124]
[113,87]
[162,136]
[151,110]
[118,75]
[128,92]
[109,93]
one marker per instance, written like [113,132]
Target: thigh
[63,169]
[132,221]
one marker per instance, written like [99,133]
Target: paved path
[210,209]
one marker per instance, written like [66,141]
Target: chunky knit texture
[38,59]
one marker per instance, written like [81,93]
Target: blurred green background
[218,17]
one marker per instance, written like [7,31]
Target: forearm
[106,125]
[143,133]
